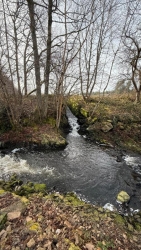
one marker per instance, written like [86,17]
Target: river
[91,171]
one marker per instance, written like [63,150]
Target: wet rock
[123,197]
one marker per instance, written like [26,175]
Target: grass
[119,110]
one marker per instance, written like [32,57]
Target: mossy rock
[123,197]
[11,184]
[119,220]
[40,187]
[72,199]
[30,188]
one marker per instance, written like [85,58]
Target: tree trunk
[137,100]
[47,71]
[36,55]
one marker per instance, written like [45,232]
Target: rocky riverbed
[51,221]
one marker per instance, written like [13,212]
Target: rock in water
[123,197]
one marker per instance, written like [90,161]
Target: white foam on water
[15,150]
[132,161]
[109,207]
[10,165]
[74,125]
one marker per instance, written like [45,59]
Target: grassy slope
[120,111]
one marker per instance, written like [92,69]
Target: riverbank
[30,129]
[45,136]
[43,221]
[111,120]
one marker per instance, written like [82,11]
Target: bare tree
[131,53]
[31,8]
[133,49]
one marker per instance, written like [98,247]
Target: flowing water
[83,167]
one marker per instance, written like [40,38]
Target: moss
[71,245]
[40,187]
[25,190]
[56,141]
[74,105]
[84,112]
[13,177]
[72,199]
[51,121]
[123,197]
[105,245]
[33,226]
[119,220]
[55,196]
[137,226]
[94,119]
[24,200]
[2,191]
